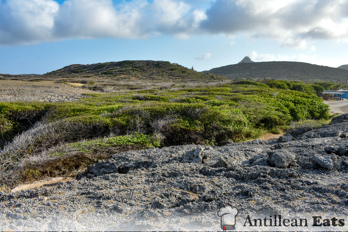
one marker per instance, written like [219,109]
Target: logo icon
[228,217]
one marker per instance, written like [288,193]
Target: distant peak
[246,60]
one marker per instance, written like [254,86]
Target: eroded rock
[281,159]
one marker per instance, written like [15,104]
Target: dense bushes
[19,117]
[208,112]
[317,87]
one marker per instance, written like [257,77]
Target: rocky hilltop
[246,60]
[301,176]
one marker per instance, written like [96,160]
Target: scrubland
[40,138]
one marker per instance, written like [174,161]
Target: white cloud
[99,18]
[33,21]
[26,21]
[205,56]
[293,23]
[278,57]
[262,57]
[170,13]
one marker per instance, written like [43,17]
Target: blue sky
[38,36]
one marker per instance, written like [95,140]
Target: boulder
[323,162]
[194,156]
[339,119]
[281,159]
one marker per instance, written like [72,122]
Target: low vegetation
[50,139]
[134,69]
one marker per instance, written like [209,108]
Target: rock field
[301,175]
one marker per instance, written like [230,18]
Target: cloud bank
[271,57]
[289,22]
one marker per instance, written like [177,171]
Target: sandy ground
[340,107]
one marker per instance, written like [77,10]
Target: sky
[39,36]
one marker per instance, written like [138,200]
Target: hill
[344,67]
[134,69]
[294,71]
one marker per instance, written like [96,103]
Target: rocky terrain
[302,175]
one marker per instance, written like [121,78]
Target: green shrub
[279,84]
[250,83]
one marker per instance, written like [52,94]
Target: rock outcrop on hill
[301,176]
[246,60]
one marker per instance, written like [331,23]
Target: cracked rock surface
[183,187]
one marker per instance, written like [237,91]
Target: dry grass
[70,89]
[269,136]
[76,84]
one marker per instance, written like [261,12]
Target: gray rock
[299,131]
[345,162]
[285,138]
[342,151]
[344,135]
[224,162]
[226,142]
[281,159]
[99,169]
[323,162]
[194,156]
[340,119]
[123,169]
[261,160]
[331,149]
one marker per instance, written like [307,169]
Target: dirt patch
[76,84]
[269,136]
